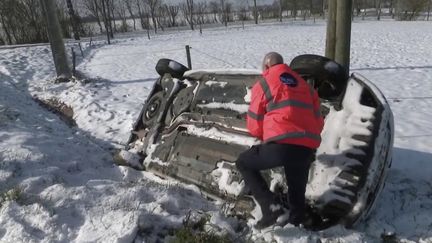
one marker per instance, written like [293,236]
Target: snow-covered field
[70,189]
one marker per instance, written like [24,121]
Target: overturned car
[193,126]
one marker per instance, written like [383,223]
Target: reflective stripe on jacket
[285,109]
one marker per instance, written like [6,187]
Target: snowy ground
[71,191]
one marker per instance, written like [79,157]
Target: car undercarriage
[193,127]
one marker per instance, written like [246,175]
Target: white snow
[197,74]
[220,84]
[71,191]
[241,108]
[223,177]
[216,134]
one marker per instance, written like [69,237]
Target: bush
[11,195]
[194,231]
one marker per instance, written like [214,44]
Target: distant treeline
[22,21]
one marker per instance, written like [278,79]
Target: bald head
[271,59]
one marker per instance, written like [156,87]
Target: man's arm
[255,116]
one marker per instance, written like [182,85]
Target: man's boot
[270,216]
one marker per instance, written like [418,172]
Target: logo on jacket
[288,79]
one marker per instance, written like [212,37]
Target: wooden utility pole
[56,40]
[338,42]
[331,30]
[343,33]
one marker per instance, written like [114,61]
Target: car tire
[175,69]
[153,107]
[330,78]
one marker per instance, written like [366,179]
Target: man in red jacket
[285,114]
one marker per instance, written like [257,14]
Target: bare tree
[358,5]
[280,10]
[21,21]
[129,6]
[255,12]
[172,11]
[111,15]
[153,4]
[223,12]
[429,9]
[214,9]
[5,10]
[378,9]
[391,8]
[200,14]
[188,12]
[106,21]
[144,16]
[56,40]
[121,9]
[227,10]
[409,10]
[161,17]
[243,13]
[93,6]
[294,8]
[74,19]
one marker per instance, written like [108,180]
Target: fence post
[188,56]
[73,61]
[80,47]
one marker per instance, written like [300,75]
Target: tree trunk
[379,10]
[154,21]
[429,9]
[74,20]
[107,13]
[331,30]
[96,13]
[191,8]
[56,40]
[6,30]
[280,10]
[391,9]
[112,18]
[129,8]
[255,12]
[105,19]
[343,33]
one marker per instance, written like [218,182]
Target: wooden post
[188,56]
[80,47]
[56,40]
[73,61]
[343,33]
[331,30]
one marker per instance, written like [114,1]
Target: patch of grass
[11,195]
[194,231]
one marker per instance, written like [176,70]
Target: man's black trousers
[296,161]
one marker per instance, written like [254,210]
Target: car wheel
[329,77]
[153,109]
[175,69]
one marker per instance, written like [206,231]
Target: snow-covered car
[192,128]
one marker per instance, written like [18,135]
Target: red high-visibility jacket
[284,108]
